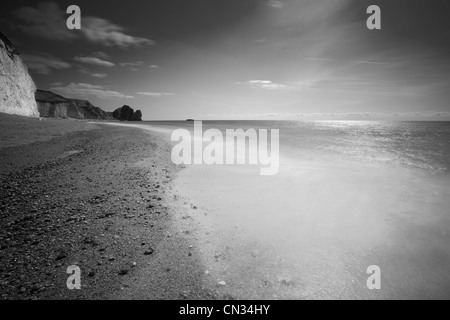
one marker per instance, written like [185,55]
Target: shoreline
[98,199]
[217,232]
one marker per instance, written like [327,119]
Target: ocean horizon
[423,145]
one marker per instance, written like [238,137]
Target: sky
[241,59]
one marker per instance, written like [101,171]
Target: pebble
[46,223]
[149,251]
[61,256]
[123,272]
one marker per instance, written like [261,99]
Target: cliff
[51,105]
[18,94]
[16,85]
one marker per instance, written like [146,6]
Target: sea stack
[16,85]
[126,113]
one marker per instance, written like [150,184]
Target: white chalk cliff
[16,85]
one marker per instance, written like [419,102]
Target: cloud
[81,90]
[155,94]
[92,74]
[44,63]
[100,55]
[345,61]
[275,4]
[99,75]
[102,31]
[154,66]
[47,20]
[94,61]
[263,84]
[132,65]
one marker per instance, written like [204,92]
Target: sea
[349,195]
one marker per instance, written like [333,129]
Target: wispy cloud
[275,4]
[82,90]
[92,74]
[94,61]
[155,94]
[133,66]
[263,84]
[346,61]
[44,63]
[102,31]
[101,55]
[48,20]
[99,75]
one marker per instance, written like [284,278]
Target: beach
[94,196]
[107,197]
[255,151]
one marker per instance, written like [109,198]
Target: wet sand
[312,231]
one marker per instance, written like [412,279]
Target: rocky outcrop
[137,116]
[16,85]
[123,113]
[126,113]
[52,105]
